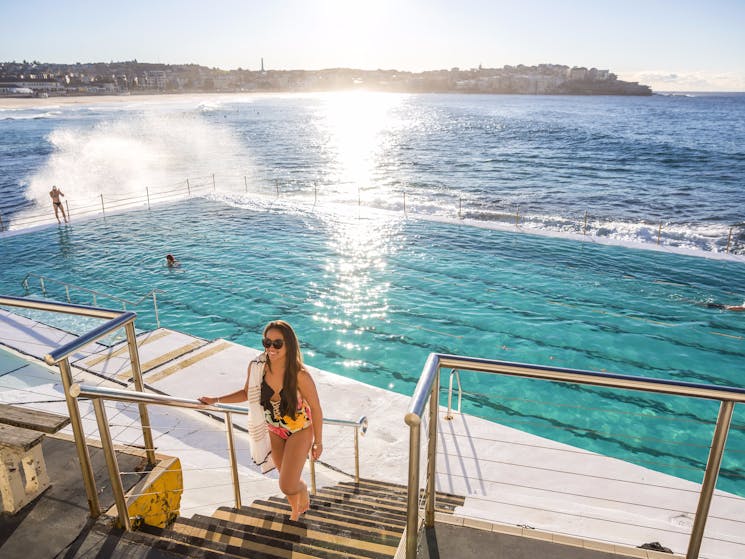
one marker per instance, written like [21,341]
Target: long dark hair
[293,366]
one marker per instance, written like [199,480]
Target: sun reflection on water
[356,124]
[354,299]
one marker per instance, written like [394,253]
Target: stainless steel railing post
[134,357]
[456,373]
[312,474]
[155,306]
[412,507]
[434,408]
[233,460]
[710,477]
[111,464]
[81,447]
[356,455]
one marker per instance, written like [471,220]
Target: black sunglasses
[269,343]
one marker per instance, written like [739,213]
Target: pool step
[349,520]
[155,348]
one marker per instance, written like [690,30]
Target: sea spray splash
[121,158]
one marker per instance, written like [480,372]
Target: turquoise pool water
[372,295]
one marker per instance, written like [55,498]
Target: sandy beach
[11,103]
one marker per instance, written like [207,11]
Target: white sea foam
[6,115]
[120,158]
[638,236]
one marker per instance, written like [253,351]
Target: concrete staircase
[348,520]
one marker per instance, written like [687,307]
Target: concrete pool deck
[514,482]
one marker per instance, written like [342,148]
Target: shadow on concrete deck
[447,541]
[50,525]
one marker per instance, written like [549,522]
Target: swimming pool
[372,294]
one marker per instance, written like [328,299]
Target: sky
[670,45]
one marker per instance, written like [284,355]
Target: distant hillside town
[38,79]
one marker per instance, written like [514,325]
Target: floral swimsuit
[283,426]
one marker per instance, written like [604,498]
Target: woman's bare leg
[290,481]
[278,449]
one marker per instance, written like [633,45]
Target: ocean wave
[696,239]
[34,116]
[209,107]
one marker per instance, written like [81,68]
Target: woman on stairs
[292,411]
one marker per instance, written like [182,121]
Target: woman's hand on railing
[316,449]
[208,400]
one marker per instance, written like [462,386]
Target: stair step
[231,542]
[303,544]
[347,527]
[348,546]
[342,509]
[444,502]
[332,525]
[394,488]
[361,499]
[391,505]
[256,518]
[351,520]
[159,538]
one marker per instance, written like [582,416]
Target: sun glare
[356,123]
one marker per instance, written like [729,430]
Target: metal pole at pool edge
[81,447]
[134,357]
[107,445]
[713,464]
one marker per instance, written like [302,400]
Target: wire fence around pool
[731,240]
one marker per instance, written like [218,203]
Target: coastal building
[133,77]
[22,85]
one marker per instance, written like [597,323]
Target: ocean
[581,232]
[661,169]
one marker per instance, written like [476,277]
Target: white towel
[258,434]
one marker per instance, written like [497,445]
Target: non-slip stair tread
[397,502]
[268,514]
[391,506]
[395,493]
[362,520]
[374,486]
[231,542]
[161,539]
[333,525]
[388,486]
[351,547]
[345,509]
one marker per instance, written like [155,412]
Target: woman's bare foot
[295,512]
[304,502]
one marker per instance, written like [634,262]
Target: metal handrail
[97,394]
[499,212]
[43,279]
[61,357]
[427,391]
[454,373]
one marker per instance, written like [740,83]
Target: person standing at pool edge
[292,411]
[55,194]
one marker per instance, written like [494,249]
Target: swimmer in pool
[736,308]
